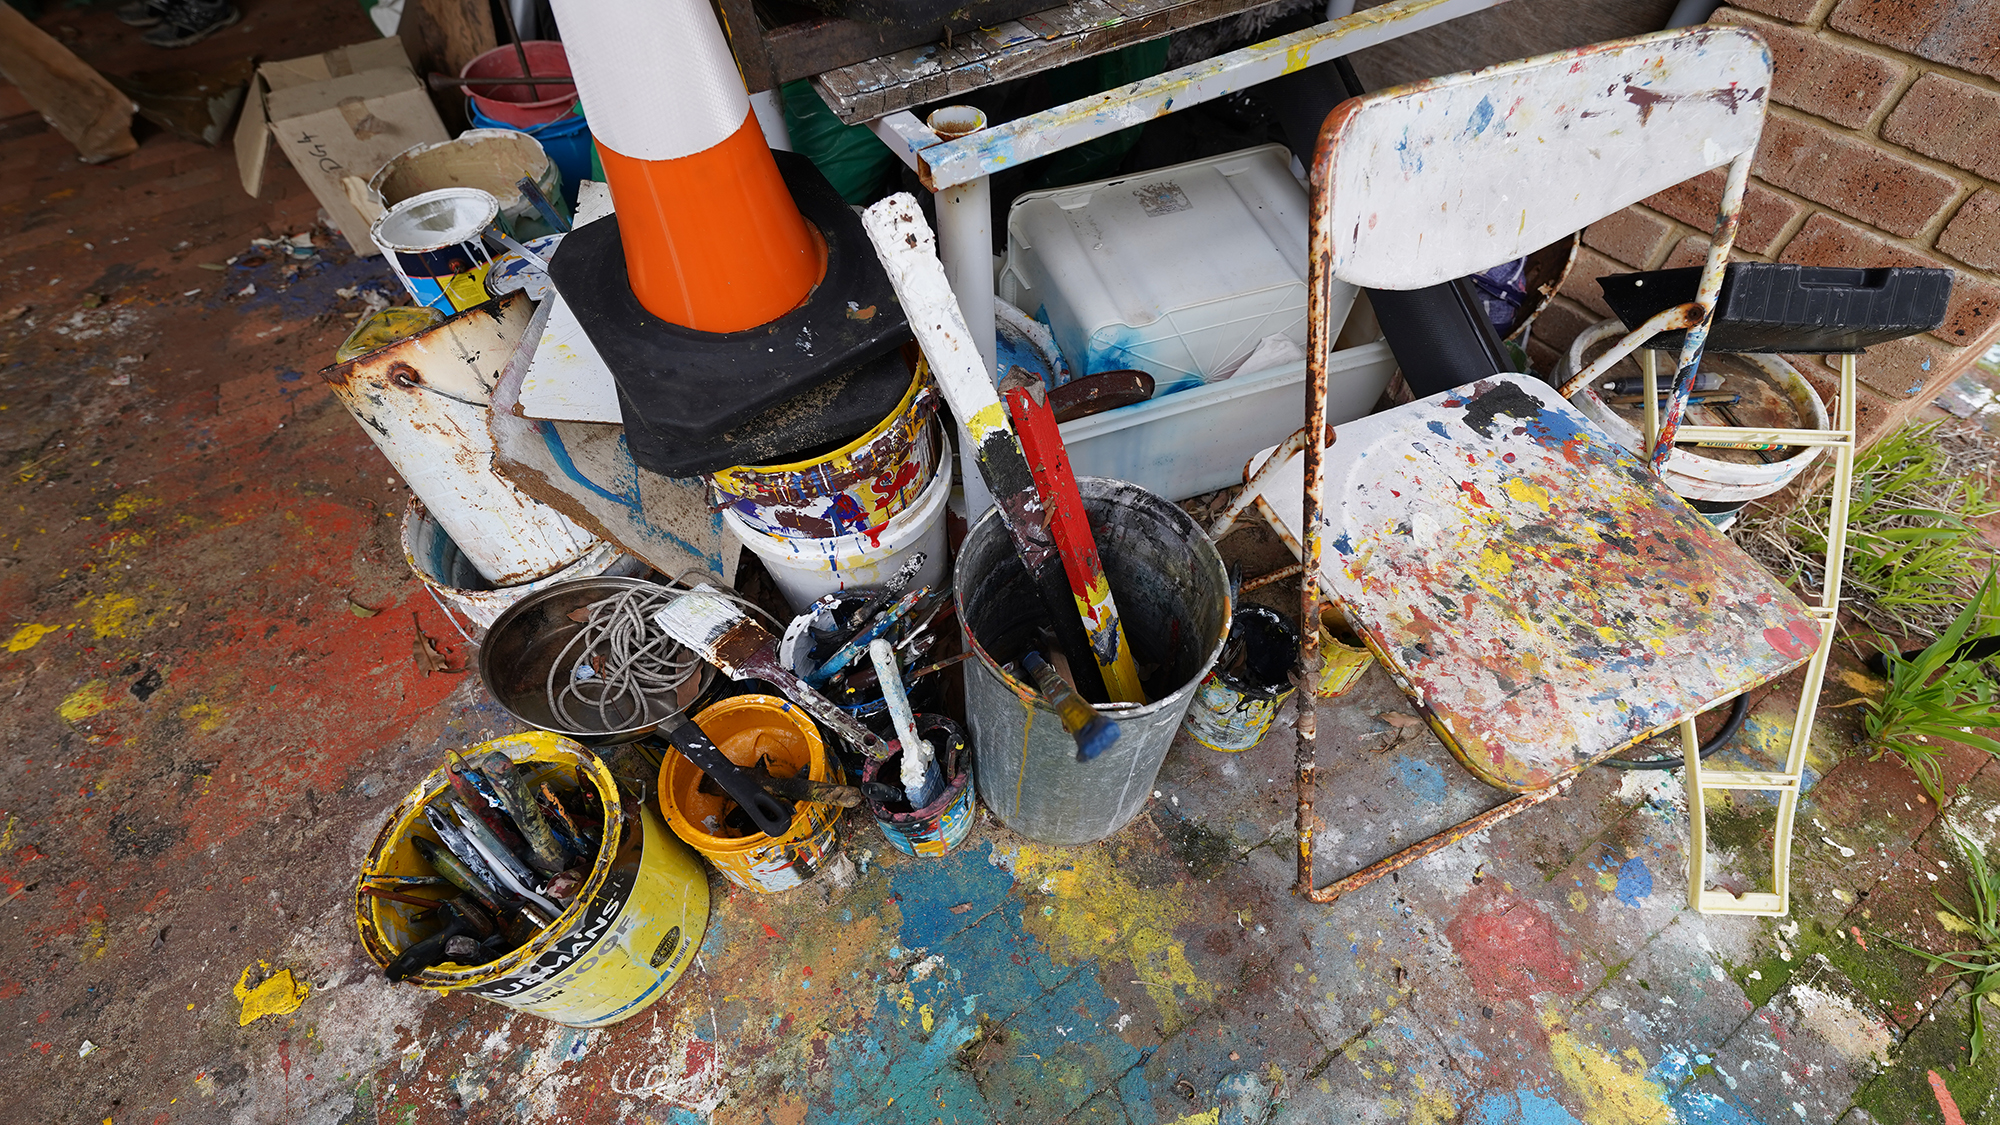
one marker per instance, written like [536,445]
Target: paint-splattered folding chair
[1537,591]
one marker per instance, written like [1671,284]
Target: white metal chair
[1541,596]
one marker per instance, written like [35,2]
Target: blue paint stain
[1699,1107]
[1482,116]
[1521,1107]
[1634,881]
[1423,779]
[1437,428]
[290,376]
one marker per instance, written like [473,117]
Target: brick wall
[1881,148]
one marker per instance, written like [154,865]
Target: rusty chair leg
[1424,847]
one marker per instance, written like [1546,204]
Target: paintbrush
[545,855]
[1093,732]
[720,633]
[904,242]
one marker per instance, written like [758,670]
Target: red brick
[1904,369]
[1960,33]
[1827,241]
[1693,251]
[1557,325]
[1632,236]
[1765,212]
[1798,11]
[1949,121]
[1821,77]
[1581,284]
[1854,178]
[1973,235]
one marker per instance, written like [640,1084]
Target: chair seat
[1540,595]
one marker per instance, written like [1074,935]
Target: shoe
[185,24]
[141,13]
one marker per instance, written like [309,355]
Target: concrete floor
[208,656]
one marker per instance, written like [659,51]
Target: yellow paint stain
[204,717]
[1607,881]
[94,937]
[1099,910]
[1862,682]
[1945,918]
[986,422]
[907,1001]
[1434,1109]
[1205,1117]
[927,1018]
[1611,1095]
[1494,562]
[127,506]
[278,995]
[90,699]
[28,636]
[1577,902]
[1297,57]
[7,837]
[1527,493]
[113,614]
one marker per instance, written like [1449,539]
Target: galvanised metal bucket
[1173,596]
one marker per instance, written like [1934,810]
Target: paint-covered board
[1543,598]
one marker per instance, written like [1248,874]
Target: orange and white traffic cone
[713,239]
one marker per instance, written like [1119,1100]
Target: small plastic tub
[747,728]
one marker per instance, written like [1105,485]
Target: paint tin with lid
[432,242]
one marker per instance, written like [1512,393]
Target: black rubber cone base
[698,401]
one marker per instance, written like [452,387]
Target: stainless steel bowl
[522,644]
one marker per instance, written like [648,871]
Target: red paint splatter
[768,931]
[1510,948]
[1472,490]
[1946,1106]
[808,970]
[285,1056]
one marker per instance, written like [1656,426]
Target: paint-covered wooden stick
[908,249]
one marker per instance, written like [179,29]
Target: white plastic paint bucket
[432,242]
[807,569]
[1714,480]
[458,585]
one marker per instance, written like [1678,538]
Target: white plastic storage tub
[1180,272]
[1194,442]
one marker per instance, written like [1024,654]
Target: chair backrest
[1445,177]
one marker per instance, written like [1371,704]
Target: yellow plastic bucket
[746,727]
[1343,657]
[622,943]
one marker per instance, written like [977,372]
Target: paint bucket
[745,728]
[1173,598]
[566,140]
[458,585]
[1342,653]
[432,242]
[1775,395]
[1232,709]
[522,105]
[856,487]
[425,401]
[806,569]
[493,160]
[943,824]
[624,941]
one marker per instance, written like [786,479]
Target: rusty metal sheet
[1543,598]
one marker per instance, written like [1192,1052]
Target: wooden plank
[78,102]
[1064,35]
[746,41]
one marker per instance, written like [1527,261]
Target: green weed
[1935,697]
[1913,555]
[1981,965]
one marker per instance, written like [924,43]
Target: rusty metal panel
[1543,598]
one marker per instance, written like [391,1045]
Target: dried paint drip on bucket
[942,825]
[432,242]
[750,729]
[849,490]
[1237,700]
[628,936]
[1343,655]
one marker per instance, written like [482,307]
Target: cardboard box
[338,116]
